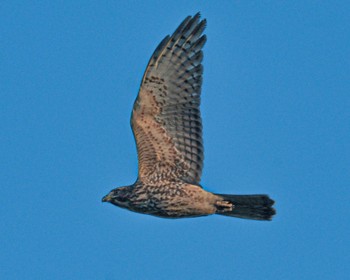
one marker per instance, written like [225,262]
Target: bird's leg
[224,206]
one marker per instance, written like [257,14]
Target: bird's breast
[173,201]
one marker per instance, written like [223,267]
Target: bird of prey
[167,126]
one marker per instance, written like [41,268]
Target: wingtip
[202,23]
[197,15]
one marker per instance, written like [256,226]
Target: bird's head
[119,197]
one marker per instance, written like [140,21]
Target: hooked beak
[106,198]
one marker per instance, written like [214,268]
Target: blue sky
[276,114]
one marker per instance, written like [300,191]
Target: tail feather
[255,207]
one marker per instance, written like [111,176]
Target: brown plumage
[167,126]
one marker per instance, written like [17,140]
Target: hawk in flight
[167,126]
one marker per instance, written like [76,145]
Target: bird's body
[167,126]
[169,200]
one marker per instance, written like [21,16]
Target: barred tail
[255,207]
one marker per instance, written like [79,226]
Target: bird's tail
[255,207]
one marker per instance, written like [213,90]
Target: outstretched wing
[166,119]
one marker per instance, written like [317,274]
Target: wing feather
[166,118]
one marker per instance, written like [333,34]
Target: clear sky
[276,115]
